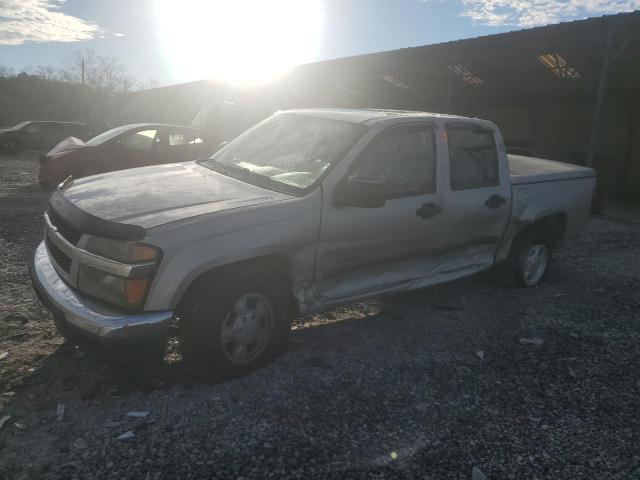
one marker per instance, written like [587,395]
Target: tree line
[84,88]
[86,67]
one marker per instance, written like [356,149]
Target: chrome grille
[58,255]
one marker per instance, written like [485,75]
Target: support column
[450,86]
[595,122]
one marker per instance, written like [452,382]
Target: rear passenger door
[479,197]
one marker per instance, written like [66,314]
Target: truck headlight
[128,289]
[121,251]
[122,291]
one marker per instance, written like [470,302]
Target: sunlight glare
[242,42]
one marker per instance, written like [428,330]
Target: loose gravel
[518,383]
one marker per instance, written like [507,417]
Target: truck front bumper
[87,322]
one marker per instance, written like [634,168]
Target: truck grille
[69,233]
[58,256]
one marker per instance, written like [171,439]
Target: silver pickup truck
[307,210]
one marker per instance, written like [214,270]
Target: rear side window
[55,129]
[404,159]
[473,158]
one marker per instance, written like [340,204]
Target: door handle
[494,201]
[428,210]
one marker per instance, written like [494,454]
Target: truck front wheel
[234,326]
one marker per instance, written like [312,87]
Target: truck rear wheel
[231,327]
[530,256]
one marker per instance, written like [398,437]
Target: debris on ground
[4,355]
[110,424]
[532,341]
[60,411]
[477,474]
[480,354]
[137,414]
[4,420]
[126,435]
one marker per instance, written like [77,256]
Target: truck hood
[152,196]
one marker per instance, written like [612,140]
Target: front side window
[288,149]
[473,158]
[178,139]
[32,128]
[106,136]
[143,140]
[403,159]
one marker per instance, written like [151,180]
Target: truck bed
[532,170]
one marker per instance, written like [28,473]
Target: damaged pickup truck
[307,210]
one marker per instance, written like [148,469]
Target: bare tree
[147,84]
[7,71]
[103,73]
[47,72]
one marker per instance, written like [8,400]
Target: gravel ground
[423,385]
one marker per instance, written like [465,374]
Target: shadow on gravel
[340,331]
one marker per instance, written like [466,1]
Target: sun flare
[242,42]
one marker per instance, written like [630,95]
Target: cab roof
[368,116]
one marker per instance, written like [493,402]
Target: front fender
[288,228]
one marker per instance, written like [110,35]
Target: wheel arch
[553,225]
[279,264]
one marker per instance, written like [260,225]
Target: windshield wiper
[237,168]
[257,178]
[212,164]
[246,173]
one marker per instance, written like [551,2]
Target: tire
[9,147]
[233,325]
[530,256]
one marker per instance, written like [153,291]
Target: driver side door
[367,250]
[138,149]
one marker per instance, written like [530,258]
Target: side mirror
[358,192]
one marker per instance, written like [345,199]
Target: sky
[251,41]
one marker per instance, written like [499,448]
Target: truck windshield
[289,149]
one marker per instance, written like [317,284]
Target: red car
[123,147]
